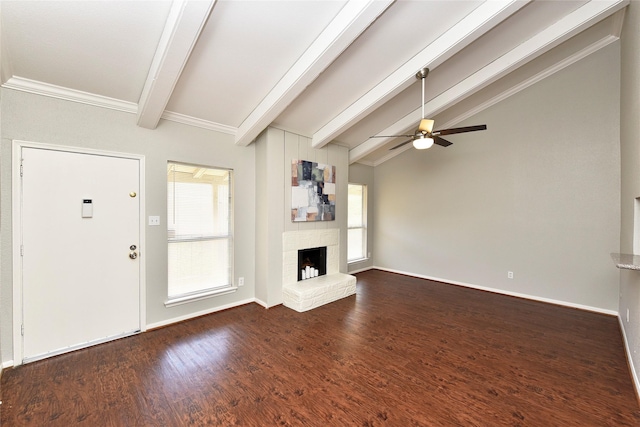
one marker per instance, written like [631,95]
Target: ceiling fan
[424,137]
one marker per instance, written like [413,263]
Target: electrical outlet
[509,274]
[240,281]
[154,220]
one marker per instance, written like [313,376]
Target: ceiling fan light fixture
[422,143]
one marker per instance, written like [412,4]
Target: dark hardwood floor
[402,352]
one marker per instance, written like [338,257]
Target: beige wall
[630,167]
[47,120]
[536,194]
[363,174]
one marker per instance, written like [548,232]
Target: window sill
[200,296]
[355,261]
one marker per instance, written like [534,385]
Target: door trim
[16,224]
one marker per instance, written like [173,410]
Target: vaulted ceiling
[336,71]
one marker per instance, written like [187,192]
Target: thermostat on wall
[87,208]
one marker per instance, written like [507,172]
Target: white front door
[80,237]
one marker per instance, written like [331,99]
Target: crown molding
[59,92]
[45,89]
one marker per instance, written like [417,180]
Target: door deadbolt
[133,247]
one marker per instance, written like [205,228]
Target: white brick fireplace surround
[311,293]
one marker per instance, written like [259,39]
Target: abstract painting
[313,191]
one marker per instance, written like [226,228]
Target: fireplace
[312,262]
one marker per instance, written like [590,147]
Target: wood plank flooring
[402,352]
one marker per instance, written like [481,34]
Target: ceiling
[335,71]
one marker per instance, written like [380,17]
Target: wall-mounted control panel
[87,208]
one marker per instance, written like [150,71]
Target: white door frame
[16,214]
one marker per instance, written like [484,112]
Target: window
[357,222]
[199,207]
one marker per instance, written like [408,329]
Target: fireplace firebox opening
[312,262]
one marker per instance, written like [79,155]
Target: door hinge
[21,168]
[22,329]
[21,250]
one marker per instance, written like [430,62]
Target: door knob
[133,255]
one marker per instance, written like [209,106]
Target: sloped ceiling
[335,71]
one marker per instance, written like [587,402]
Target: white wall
[275,149]
[363,174]
[47,120]
[536,194]
[630,166]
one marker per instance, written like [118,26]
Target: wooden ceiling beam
[552,36]
[349,23]
[183,27]
[480,21]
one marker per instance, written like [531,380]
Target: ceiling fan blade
[441,141]
[391,136]
[460,130]
[400,145]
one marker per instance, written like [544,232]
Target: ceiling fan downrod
[422,75]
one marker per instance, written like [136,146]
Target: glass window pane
[355,206]
[196,266]
[191,208]
[199,210]
[355,248]
[357,222]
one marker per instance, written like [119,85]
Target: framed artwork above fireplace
[313,191]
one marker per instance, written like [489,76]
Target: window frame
[203,293]
[362,227]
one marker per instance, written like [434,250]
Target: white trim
[262,303]
[503,292]
[16,213]
[474,25]
[352,20]
[173,320]
[542,42]
[172,302]
[59,92]
[634,375]
[182,28]
[360,270]
[7,364]
[201,123]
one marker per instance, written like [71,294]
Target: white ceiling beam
[349,23]
[542,42]
[481,20]
[183,27]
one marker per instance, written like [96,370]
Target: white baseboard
[197,314]
[7,364]
[503,292]
[634,375]
[260,302]
[360,270]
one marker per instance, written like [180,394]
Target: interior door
[80,232]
